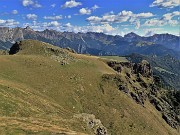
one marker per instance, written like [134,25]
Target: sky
[114,17]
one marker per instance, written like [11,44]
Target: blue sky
[115,17]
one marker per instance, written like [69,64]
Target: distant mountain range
[96,43]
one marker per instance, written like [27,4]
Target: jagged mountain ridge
[96,43]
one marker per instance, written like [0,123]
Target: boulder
[15,48]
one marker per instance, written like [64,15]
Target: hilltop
[49,90]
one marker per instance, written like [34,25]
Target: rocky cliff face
[137,81]
[143,68]
[166,67]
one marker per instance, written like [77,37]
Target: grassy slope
[38,95]
[116,58]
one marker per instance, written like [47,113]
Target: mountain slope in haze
[96,43]
[49,90]
[168,40]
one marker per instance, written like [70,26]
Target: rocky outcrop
[167,102]
[137,94]
[170,111]
[93,123]
[143,68]
[118,66]
[15,48]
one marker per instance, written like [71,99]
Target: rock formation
[167,102]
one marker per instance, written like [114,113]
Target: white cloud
[166,19]
[31,3]
[107,28]
[42,26]
[137,24]
[109,13]
[169,16]
[94,19]
[2,21]
[71,4]
[14,12]
[144,15]
[53,17]
[108,18]
[152,31]
[173,22]
[149,33]
[95,7]
[27,3]
[155,22]
[104,28]
[53,24]
[165,3]
[123,16]
[8,23]
[31,16]
[53,5]
[69,17]
[125,13]
[112,12]
[85,11]
[68,25]
[135,18]
[88,11]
